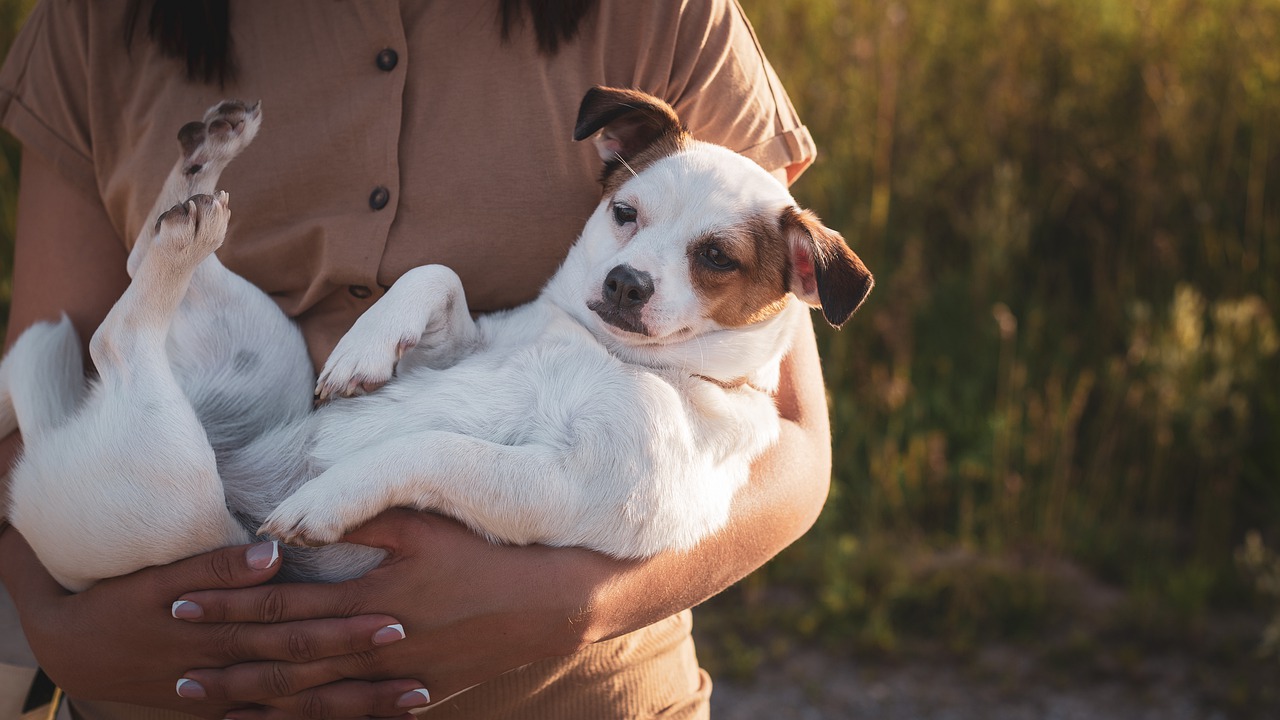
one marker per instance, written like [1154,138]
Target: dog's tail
[41,379]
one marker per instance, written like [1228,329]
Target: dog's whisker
[626,165]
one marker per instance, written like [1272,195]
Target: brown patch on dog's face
[741,273]
[617,172]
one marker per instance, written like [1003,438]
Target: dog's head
[692,238]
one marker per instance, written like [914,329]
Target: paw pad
[226,129]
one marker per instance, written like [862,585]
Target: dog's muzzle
[622,298]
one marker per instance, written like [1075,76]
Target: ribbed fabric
[116,711]
[651,673]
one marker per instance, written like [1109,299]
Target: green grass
[1072,208]
[11,14]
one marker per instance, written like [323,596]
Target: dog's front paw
[364,360]
[227,128]
[307,518]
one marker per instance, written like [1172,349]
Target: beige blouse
[395,135]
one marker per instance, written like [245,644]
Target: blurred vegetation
[1263,565]
[1072,208]
[11,14]
[1066,379]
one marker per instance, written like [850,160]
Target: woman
[395,135]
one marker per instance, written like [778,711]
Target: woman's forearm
[787,490]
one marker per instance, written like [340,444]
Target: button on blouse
[387,60]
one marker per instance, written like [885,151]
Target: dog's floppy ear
[629,121]
[824,271]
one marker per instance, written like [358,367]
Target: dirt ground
[997,684]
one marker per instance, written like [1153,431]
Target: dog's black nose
[627,288]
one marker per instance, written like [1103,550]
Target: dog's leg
[139,388]
[132,337]
[519,494]
[241,363]
[499,487]
[130,480]
[425,309]
[207,146]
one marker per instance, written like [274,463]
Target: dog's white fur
[542,424]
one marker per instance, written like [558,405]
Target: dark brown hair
[554,21]
[199,31]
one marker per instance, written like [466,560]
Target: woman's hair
[554,21]
[199,31]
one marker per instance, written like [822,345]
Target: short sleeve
[727,93]
[44,89]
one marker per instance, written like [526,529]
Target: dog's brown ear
[824,271]
[629,121]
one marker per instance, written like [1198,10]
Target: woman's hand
[119,641]
[471,610]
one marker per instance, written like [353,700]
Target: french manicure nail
[263,555]
[414,698]
[188,688]
[187,610]
[389,634]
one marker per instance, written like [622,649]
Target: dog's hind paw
[227,128]
[194,228]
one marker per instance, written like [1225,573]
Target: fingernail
[414,698]
[389,634]
[263,555]
[190,689]
[187,610]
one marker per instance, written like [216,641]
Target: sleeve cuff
[793,150]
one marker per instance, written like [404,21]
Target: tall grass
[1073,211]
[12,13]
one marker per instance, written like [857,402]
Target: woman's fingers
[304,641]
[233,567]
[307,601]
[271,603]
[300,690]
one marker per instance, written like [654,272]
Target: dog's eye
[623,213]
[717,259]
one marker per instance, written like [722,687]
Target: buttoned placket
[387,62]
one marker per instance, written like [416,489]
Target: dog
[619,411]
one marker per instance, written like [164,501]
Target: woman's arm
[787,490]
[69,259]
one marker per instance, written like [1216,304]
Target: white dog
[619,411]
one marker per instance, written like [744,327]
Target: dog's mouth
[614,317]
[632,331]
